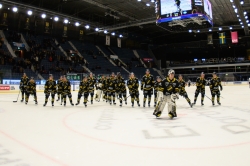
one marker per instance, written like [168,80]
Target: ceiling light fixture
[14,9]
[43,15]
[29,12]
[56,18]
[66,21]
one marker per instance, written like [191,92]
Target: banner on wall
[81,35]
[119,42]
[107,40]
[65,29]
[209,39]
[4,20]
[234,37]
[47,27]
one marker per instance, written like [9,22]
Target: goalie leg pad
[160,106]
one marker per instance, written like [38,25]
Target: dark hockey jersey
[215,83]
[59,88]
[50,86]
[147,82]
[92,83]
[120,84]
[84,87]
[158,86]
[133,84]
[66,87]
[111,84]
[31,87]
[170,86]
[200,83]
[24,81]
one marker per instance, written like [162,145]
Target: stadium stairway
[7,44]
[98,63]
[137,55]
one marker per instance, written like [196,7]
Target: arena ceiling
[132,16]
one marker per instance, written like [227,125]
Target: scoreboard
[74,76]
[170,10]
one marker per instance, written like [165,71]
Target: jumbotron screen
[169,10]
[208,9]
[174,8]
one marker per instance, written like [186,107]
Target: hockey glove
[175,96]
[221,88]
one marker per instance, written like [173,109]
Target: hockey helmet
[147,70]
[118,74]
[171,71]
[202,73]
[214,73]
[158,77]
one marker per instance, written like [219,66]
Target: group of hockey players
[114,87]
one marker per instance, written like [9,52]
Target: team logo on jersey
[166,83]
[174,84]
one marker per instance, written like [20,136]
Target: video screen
[174,6]
[208,8]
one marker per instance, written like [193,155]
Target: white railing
[159,72]
[125,69]
[61,49]
[27,47]
[41,77]
[138,56]
[7,44]
[105,55]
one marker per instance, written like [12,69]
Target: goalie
[167,93]
[99,87]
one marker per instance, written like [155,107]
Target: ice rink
[33,135]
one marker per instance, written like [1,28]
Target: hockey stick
[125,98]
[208,97]
[17,97]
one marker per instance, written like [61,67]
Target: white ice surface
[33,135]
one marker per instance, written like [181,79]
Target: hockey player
[200,88]
[104,89]
[31,90]
[147,85]
[168,92]
[59,89]
[182,90]
[215,83]
[83,90]
[23,84]
[99,88]
[66,90]
[121,88]
[133,85]
[50,89]
[157,86]
[92,84]
[111,88]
